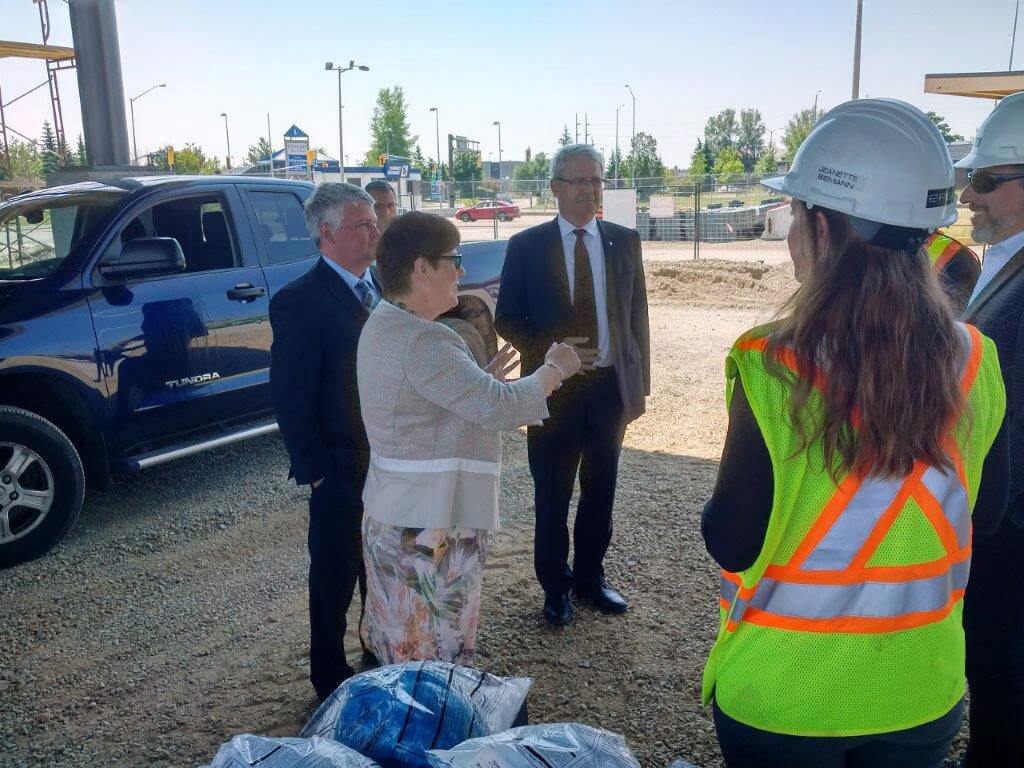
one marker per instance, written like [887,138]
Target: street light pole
[227,136]
[1013,37]
[815,115]
[633,141]
[131,105]
[341,131]
[437,134]
[856,52]
[498,123]
[618,160]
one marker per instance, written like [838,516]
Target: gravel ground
[174,615]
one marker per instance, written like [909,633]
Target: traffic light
[310,156]
[382,158]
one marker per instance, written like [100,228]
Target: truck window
[282,223]
[37,235]
[199,224]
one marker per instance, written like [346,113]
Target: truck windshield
[37,235]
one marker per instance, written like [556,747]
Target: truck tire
[471,336]
[38,464]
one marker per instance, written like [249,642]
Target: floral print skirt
[422,592]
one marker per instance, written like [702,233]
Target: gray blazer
[433,419]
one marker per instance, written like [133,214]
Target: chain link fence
[693,217]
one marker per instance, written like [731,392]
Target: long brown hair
[876,327]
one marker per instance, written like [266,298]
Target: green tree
[81,156]
[614,169]
[767,163]
[643,162]
[538,167]
[258,152]
[565,138]
[797,129]
[728,165]
[189,160]
[389,126]
[699,160]
[466,166]
[721,131]
[25,162]
[750,137]
[48,150]
[940,122]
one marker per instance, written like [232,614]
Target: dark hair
[378,185]
[409,237]
[875,326]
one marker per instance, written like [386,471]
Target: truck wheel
[471,336]
[42,485]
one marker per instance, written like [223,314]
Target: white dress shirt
[351,280]
[592,241]
[995,259]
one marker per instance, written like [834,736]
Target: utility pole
[576,139]
[586,128]
[618,159]
[1013,38]
[856,52]
[270,147]
[227,136]
[633,96]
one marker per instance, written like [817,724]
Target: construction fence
[703,217]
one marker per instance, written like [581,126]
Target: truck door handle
[246,292]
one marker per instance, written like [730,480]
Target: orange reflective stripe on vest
[827,584]
[941,249]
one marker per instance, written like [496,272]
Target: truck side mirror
[143,257]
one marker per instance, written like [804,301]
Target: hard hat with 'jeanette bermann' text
[879,160]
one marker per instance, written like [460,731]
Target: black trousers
[584,432]
[335,566]
[994,622]
[925,746]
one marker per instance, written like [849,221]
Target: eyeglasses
[455,257]
[593,181]
[984,182]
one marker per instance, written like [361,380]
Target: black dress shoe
[557,609]
[602,597]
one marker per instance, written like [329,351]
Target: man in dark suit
[316,320]
[579,280]
[994,603]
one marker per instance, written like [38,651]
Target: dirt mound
[715,283]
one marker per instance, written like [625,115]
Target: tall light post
[498,123]
[341,131]
[815,115]
[633,140]
[227,136]
[437,135]
[618,160]
[856,52]
[131,105]
[1013,37]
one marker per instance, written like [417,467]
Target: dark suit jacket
[317,320]
[998,312]
[534,308]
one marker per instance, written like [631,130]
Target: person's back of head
[869,323]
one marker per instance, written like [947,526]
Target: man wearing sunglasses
[578,280]
[994,604]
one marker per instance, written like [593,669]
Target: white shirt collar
[1007,247]
[348,277]
[569,229]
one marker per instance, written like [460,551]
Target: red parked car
[488,209]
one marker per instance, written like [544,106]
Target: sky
[532,65]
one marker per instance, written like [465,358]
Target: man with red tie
[579,280]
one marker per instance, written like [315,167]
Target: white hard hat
[880,160]
[1000,139]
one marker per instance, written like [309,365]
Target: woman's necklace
[401,305]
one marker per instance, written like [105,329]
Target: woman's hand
[564,356]
[503,363]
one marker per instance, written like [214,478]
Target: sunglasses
[455,257]
[984,182]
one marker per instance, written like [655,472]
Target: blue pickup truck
[134,330]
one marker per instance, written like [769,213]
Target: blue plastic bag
[247,750]
[533,746]
[395,714]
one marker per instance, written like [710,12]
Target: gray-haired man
[579,280]
[317,319]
